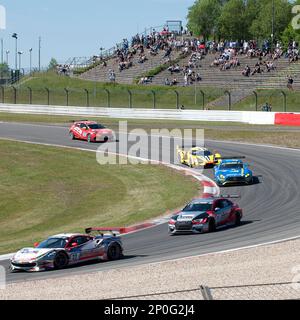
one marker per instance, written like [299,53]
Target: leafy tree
[4,69]
[203,17]
[261,27]
[233,23]
[52,65]
[289,35]
[242,19]
[292,31]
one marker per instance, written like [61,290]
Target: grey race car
[205,215]
[60,251]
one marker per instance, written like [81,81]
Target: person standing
[290,83]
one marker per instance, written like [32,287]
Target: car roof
[208,201]
[199,149]
[233,161]
[86,122]
[66,235]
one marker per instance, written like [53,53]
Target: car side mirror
[217,209]
[74,245]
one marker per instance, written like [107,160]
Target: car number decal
[75,256]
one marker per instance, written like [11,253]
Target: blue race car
[231,171]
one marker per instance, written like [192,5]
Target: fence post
[154,99]
[67,96]
[284,101]
[108,97]
[48,96]
[130,98]
[15,94]
[2,94]
[177,99]
[229,99]
[206,293]
[256,100]
[30,95]
[87,97]
[203,99]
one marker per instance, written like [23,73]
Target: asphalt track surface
[271,207]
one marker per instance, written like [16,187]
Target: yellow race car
[198,157]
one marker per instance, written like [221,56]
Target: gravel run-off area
[244,271]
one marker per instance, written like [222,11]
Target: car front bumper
[35,266]
[235,180]
[193,229]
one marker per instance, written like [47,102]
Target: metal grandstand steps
[233,78]
[237,95]
[127,76]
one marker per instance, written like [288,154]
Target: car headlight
[222,177]
[247,175]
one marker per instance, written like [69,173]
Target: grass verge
[46,191]
[141,96]
[274,97]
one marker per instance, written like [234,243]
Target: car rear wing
[230,196]
[185,146]
[231,158]
[104,231]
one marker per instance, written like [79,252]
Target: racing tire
[61,261]
[237,220]
[250,183]
[180,160]
[89,140]
[191,165]
[211,225]
[114,252]
[72,136]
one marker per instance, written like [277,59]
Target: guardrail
[262,118]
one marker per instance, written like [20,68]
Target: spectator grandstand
[172,59]
[231,67]
[142,54]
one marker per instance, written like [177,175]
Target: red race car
[91,131]
[206,215]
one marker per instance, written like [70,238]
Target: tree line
[244,20]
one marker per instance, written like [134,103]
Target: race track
[271,208]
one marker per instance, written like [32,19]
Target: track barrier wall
[287,119]
[249,117]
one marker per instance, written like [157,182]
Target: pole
[2,52]
[15,36]
[7,54]
[16,53]
[40,42]
[273,23]
[30,51]
[20,59]
[2,61]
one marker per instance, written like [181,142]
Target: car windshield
[53,243]
[202,153]
[96,126]
[227,166]
[192,207]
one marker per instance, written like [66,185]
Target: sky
[71,28]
